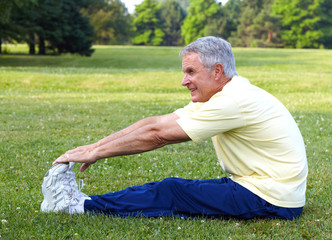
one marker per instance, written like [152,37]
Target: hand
[83,154]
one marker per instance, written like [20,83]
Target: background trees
[226,21]
[56,25]
[147,24]
[300,21]
[200,13]
[325,23]
[256,26]
[172,16]
[7,29]
[110,20]
[71,26]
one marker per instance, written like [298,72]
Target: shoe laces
[81,184]
[71,187]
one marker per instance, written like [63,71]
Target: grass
[49,104]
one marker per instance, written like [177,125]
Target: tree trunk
[41,46]
[269,35]
[32,49]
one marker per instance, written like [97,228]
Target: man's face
[198,79]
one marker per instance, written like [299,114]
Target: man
[255,138]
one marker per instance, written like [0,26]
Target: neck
[224,81]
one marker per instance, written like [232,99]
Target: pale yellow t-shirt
[256,140]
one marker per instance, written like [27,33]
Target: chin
[197,100]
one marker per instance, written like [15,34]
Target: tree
[300,22]
[214,25]
[110,20]
[76,31]
[266,27]
[183,3]
[200,12]
[62,28]
[25,21]
[9,31]
[7,6]
[172,16]
[257,26]
[146,25]
[244,35]
[53,24]
[50,23]
[230,22]
[225,21]
[325,23]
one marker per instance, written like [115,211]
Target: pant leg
[184,197]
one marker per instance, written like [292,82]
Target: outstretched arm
[145,135]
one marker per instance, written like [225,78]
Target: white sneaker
[61,192]
[77,196]
[52,188]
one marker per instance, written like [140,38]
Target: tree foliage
[9,31]
[266,28]
[52,24]
[184,4]
[147,24]
[200,12]
[257,27]
[230,20]
[6,8]
[76,31]
[325,23]
[110,20]
[172,16]
[300,22]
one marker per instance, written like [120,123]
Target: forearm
[125,131]
[137,141]
[143,139]
[144,135]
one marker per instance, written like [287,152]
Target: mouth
[192,90]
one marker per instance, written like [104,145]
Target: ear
[218,71]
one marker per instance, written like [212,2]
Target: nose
[185,80]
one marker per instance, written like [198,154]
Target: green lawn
[49,104]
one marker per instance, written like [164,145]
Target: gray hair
[213,50]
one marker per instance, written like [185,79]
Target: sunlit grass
[49,104]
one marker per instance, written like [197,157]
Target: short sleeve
[218,115]
[188,110]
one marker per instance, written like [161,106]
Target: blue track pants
[188,198]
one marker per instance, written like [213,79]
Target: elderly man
[255,138]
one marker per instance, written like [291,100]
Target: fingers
[80,157]
[62,159]
[81,154]
[84,167]
[65,158]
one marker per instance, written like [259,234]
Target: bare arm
[145,135]
[145,138]
[138,124]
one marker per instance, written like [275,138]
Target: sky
[130,4]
